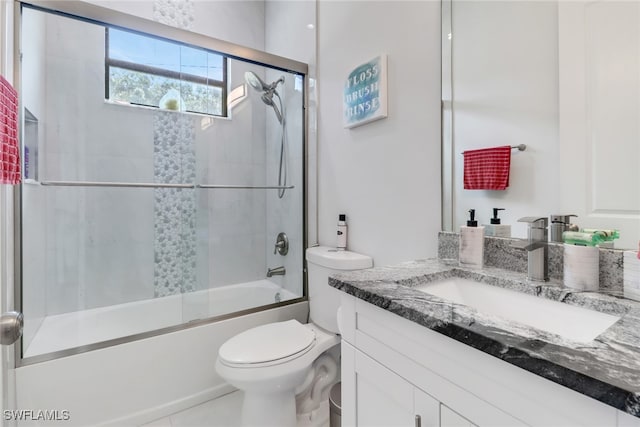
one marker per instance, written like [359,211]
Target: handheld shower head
[267,98]
[268,90]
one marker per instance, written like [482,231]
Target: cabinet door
[449,418]
[426,409]
[382,398]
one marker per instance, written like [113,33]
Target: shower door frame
[100,15]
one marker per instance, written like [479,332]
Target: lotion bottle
[471,252]
[342,232]
[496,229]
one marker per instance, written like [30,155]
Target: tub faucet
[537,248]
[278,271]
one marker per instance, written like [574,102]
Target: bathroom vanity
[411,358]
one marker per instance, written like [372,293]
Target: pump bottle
[496,229]
[471,252]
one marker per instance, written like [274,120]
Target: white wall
[507,95]
[385,175]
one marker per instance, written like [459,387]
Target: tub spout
[278,271]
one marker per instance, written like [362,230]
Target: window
[145,70]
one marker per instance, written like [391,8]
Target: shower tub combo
[162,214]
[97,325]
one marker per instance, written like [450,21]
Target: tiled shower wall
[174,161]
[174,210]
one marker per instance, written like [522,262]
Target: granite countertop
[606,369]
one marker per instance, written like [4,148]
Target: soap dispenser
[471,253]
[496,229]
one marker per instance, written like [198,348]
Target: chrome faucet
[560,224]
[278,271]
[537,248]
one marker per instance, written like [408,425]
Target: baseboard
[161,411]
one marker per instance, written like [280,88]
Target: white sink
[571,322]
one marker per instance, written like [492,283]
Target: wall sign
[365,93]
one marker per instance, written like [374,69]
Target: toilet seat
[267,345]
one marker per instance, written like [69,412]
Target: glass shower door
[140,212]
[247,196]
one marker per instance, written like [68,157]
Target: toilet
[274,363]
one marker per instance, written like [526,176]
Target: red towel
[9,151]
[487,169]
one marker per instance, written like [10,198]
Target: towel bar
[520,147]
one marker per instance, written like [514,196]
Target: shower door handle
[11,324]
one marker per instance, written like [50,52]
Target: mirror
[562,77]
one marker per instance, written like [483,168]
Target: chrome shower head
[255,82]
[268,90]
[258,84]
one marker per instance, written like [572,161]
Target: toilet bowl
[275,362]
[268,375]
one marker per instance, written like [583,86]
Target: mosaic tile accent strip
[174,162]
[174,209]
[177,13]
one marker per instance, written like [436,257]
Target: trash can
[335,405]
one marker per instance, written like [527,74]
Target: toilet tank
[324,300]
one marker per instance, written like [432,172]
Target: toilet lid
[267,343]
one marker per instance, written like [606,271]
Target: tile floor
[221,412]
[225,412]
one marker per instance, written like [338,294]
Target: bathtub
[81,328]
[139,381]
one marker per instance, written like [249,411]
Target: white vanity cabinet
[449,418]
[381,397]
[394,369]
[385,399]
